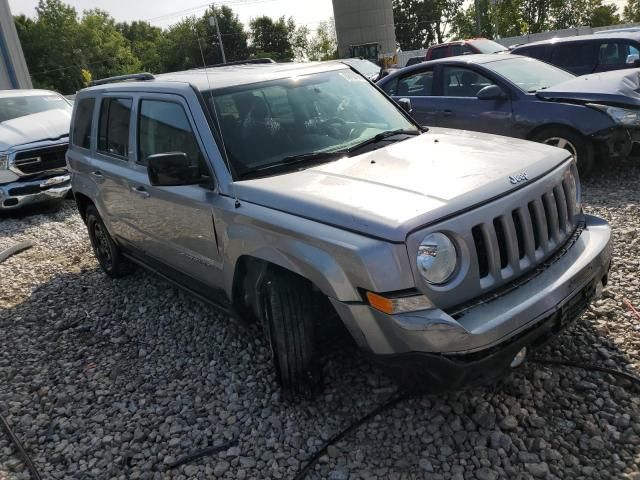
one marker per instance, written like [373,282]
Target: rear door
[175,225]
[109,164]
[579,58]
[457,106]
[613,54]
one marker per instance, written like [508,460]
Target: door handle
[447,113]
[140,190]
[97,174]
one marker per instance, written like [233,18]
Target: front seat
[259,130]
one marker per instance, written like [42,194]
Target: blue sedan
[591,116]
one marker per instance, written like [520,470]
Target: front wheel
[106,251]
[289,311]
[571,141]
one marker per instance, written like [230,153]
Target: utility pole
[213,21]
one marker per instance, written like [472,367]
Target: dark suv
[587,53]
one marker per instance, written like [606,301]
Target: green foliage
[631,11]
[272,39]
[324,44]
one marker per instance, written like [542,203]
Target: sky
[165,13]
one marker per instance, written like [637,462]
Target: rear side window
[115,117]
[416,85]
[462,82]
[164,127]
[439,52]
[615,53]
[461,49]
[572,55]
[81,133]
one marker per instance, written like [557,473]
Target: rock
[509,423]
[538,470]
[220,468]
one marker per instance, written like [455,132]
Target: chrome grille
[28,162]
[522,237]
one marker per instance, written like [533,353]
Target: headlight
[4,161]
[573,189]
[437,258]
[622,116]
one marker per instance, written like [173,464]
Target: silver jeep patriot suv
[294,194]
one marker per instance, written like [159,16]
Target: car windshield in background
[529,74]
[313,117]
[15,107]
[488,46]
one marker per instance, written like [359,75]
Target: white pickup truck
[34,136]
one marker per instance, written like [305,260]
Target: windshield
[529,74]
[265,124]
[15,107]
[488,46]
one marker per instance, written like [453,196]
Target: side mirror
[491,92]
[633,59]
[405,104]
[172,169]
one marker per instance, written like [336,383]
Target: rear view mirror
[405,104]
[491,92]
[172,169]
[633,59]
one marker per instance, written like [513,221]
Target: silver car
[294,194]
[34,134]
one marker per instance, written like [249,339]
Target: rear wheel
[571,141]
[289,310]
[106,251]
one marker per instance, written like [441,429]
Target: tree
[299,39]
[420,23]
[144,40]
[631,11]
[324,44]
[601,15]
[271,38]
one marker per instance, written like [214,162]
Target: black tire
[104,248]
[289,310]
[572,141]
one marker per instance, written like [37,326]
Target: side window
[573,55]
[83,121]
[391,87]
[416,85]
[115,117]
[615,53]
[462,82]
[439,52]
[534,52]
[164,127]
[456,49]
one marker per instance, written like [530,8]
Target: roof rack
[249,61]
[138,77]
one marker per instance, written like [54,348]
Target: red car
[464,47]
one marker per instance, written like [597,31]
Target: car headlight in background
[622,116]
[437,258]
[4,161]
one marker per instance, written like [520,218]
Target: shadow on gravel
[103,378]
[35,215]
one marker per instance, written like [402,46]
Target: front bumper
[24,192]
[492,330]
[617,142]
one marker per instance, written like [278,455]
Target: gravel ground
[118,379]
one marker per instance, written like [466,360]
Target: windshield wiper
[381,136]
[288,162]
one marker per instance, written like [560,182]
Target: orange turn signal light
[380,303]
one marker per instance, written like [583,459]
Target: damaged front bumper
[24,192]
[478,343]
[618,142]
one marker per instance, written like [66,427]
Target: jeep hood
[47,125]
[389,192]
[620,87]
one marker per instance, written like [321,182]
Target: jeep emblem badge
[515,179]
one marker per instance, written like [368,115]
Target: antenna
[225,154]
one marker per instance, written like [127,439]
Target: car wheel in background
[289,310]
[571,141]
[106,251]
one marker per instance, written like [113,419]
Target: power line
[185,12]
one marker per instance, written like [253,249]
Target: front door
[459,107]
[176,225]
